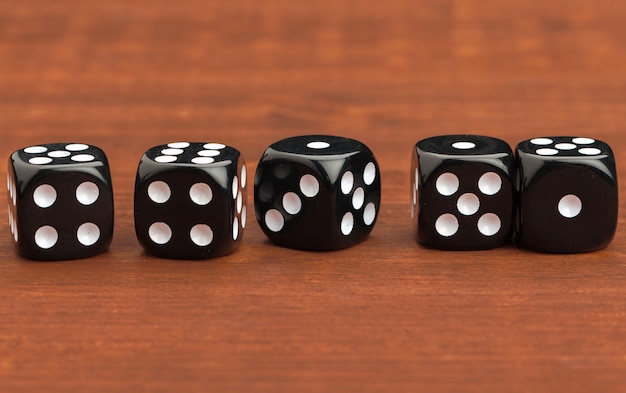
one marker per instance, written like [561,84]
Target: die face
[60,201]
[462,193]
[568,195]
[190,200]
[38,161]
[317,192]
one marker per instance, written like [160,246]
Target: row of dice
[554,194]
[312,192]
[316,193]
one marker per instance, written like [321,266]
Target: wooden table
[387,315]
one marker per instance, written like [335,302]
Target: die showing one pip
[462,192]
[190,200]
[317,192]
[60,201]
[568,198]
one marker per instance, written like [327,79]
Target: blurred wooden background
[387,315]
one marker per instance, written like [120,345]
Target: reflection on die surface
[568,196]
[190,200]
[317,192]
[60,201]
[462,193]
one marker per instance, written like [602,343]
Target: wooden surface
[387,315]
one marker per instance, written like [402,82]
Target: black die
[462,193]
[317,192]
[60,201]
[190,200]
[568,199]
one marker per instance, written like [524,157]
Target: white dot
[243,217]
[541,141]
[274,220]
[88,234]
[547,152]
[202,160]
[83,158]
[309,185]
[589,151]
[347,181]
[447,225]
[414,196]
[160,233]
[46,237]
[239,202]
[468,204]
[214,146]
[244,176]
[318,145]
[14,193]
[59,154]
[490,183]
[8,182]
[489,224]
[44,196]
[172,152]
[164,159]
[417,179]
[76,147]
[159,191]
[570,206]
[16,233]
[369,174]
[565,146]
[40,160]
[209,153]
[447,184]
[201,235]
[178,145]
[201,194]
[35,149]
[463,145]
[292,203]
[87,193]
[583,141]
[369,214]
[347,223]
[358,198]
[235,187]
[235,228]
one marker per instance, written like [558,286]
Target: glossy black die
[317,192]
[462,192]
[60,201]
[190,200]
[568,198]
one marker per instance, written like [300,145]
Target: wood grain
[387,315]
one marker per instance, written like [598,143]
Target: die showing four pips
[317,192]
[60,201]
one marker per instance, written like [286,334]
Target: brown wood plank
[387,315]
